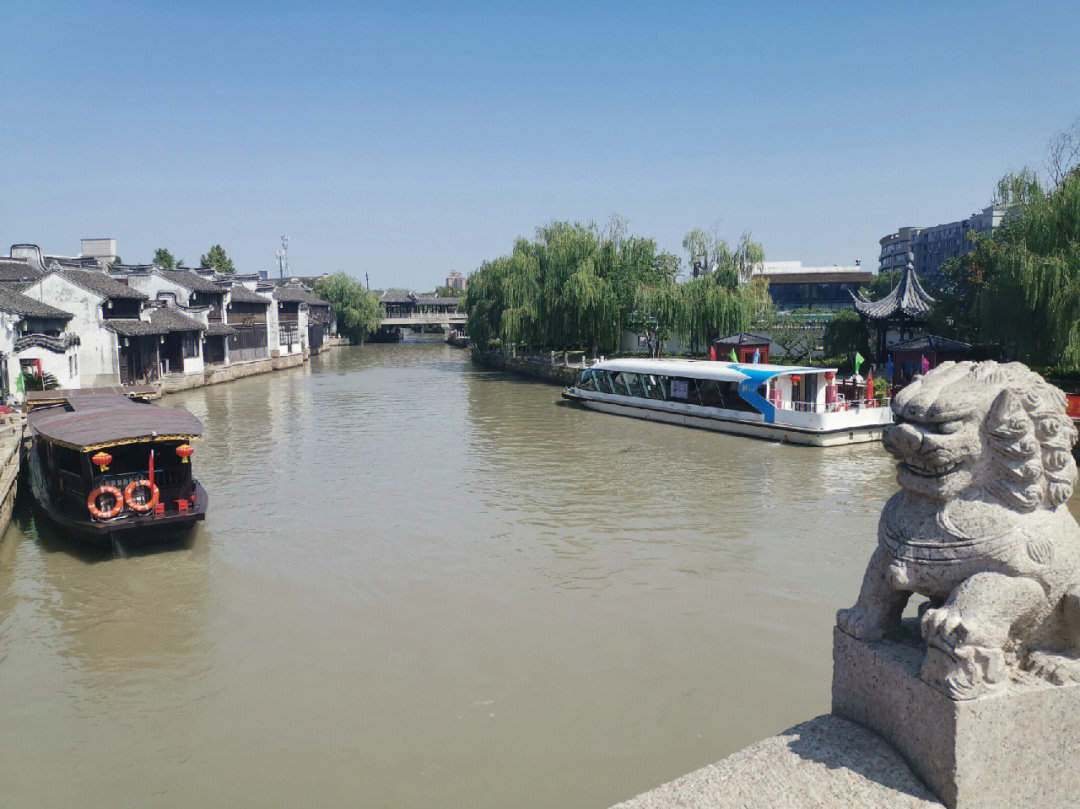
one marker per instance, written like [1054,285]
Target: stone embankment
[556,367]
[11,435]
[239,370]
[215,375]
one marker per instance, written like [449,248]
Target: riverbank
[239,370]
[216,375]
[543,367]
[11,434]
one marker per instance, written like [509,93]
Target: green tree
[357,309]
[577,287]
[882,284]
[1020,287]
[447,291]
[659,312]
[705,250]
[163,258]
[215,257]
[846,333]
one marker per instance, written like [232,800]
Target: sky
[408,140]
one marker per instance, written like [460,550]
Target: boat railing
[163,478]
[839,406]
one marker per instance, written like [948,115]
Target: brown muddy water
[426,584]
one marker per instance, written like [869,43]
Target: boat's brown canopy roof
[96,420]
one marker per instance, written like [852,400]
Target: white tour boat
[777,402]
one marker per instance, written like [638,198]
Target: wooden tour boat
[109,466]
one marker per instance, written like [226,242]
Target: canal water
[421,584]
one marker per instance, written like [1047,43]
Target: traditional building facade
[35,342]
[93,299]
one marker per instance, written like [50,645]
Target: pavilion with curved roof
[907,305]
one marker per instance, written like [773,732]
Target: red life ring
[118,502]
[142,508]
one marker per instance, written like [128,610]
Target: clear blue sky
[410,140]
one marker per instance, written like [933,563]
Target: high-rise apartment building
[931,246]
[456,280]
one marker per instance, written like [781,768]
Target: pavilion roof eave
[907,299]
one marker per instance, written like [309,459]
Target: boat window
[694,396]
[654,389]
[679,389]
[67,459]
[709,393]
[586,381]
[604,383]
[737,402]
[633,384]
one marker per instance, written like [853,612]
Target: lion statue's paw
[859,624]
[1056,668]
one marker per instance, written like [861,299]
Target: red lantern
[102,459]
[184,451]
[796,379]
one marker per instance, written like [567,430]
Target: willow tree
[357,309]
[1020,287]
[659,313]
[570,287]
[714,309]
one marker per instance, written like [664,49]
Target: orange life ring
[118,502]
[142,508]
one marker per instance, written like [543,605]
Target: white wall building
[92,297]
[34,339]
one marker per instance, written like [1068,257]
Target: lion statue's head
[999,428]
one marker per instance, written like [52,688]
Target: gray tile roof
[907,298]
[743,338]
[242,294]
[101,284]
[163,320]
[292,294]
[396,297]
[167,318]
[216,329]
[16,303]
[189,280]
[13,270]
[57,345]
[129,326]
[435,300]
[930,342]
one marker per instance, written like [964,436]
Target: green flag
[20,383]
[858,361]
[733,357]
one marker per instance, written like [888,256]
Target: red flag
[870,385]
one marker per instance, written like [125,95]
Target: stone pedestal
[1019,749]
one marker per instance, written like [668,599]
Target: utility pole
[367,283]
[283,257]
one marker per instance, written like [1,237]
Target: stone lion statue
[980,528]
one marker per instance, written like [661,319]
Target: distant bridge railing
[425,318]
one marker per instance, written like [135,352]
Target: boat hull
[753,429]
